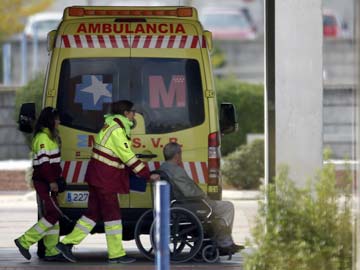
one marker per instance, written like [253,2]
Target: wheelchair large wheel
[143,234]
[186,235]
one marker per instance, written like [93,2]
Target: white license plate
[77,196]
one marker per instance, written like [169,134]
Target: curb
[242,195]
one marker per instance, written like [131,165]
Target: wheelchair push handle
[146,155]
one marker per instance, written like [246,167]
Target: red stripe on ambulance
[194,41]
[74,171]
[125,41]
[159,41]
[101,41]
[204,170]
[113,41]
[65,169]
[147,42]
[183,41]
[137,41]
[203,44]
[66,42]
[193,172]
[171,42]
[89,41]
[78,41]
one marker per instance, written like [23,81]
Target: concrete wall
[339,121]
[245,60]
[298,87]
[12,141]
[33,64]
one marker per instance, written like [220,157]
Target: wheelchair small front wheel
[210,254]
[198,257]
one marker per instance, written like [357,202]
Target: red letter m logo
[176,92]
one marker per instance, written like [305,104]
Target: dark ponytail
[47,120]
[119,107]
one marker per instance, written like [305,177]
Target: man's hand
[154,177]
[54,187]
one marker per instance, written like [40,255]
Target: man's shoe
[55,258]
[65,250]
[225,251]
[25,252]
[237,248]
[122,259]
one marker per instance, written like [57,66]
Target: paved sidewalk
[20,208]
[19,211]
[14,203]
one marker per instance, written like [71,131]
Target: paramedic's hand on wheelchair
[154,177]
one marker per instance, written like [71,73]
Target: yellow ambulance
[157,57]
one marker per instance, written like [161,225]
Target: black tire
[142,234]
[198,257]
[210,254]
[186,235]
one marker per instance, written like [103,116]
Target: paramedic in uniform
[184,187]
[45,148]
[108,175]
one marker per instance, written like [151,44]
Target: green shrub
[244,168]
[303,228]
[217,58]
[249,102]
[32,92]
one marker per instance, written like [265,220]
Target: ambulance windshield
[167,92]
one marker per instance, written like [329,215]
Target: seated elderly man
[184,187]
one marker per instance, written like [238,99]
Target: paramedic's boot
[55,258]
[24,251]
[124,259]
[32,236]
[116,252]
[65,250]
[82,228]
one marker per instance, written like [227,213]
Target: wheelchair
[192,231]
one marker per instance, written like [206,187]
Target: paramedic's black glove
[61,184]
[162,174]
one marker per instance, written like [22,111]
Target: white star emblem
[97,88]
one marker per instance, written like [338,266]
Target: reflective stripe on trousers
[51,238]
[113,231]
[35,233]
[82,228]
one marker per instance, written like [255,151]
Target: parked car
[41,24]
[229,23]
[334,26]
